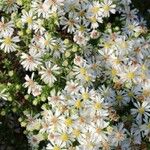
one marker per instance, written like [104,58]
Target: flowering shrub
[76,72]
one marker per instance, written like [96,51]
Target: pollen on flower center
[78,104]
[83,71]
[85,95]
[76,132]
[113,72]
[141,110]
[97,106]
[106,8]
[119,97]
[56,148]
[29,20]
[7,40]
[95,9]
[64,137]
[68,122]
[130,75]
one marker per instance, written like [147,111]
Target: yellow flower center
[68,122]
[76,132]
[148,126]
[29,20]
[78,104]
[141,110]
[82,71]
[119,97]
[93,19]
[87,78]
[64,137]
[106,8]
[98,106]
[95,9]
[107,45]
[85,95]
[130,94]
[56,148]
[130,75]
[113,72]
[7,40]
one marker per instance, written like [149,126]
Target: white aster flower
[31,61]
[28,17]
[6,28]
[107,8]
[48,73]
[8,43]
[141,111]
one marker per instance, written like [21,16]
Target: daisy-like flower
[31,61]
[141,111]
[145,128]
[47,41]
[36,91]
[94,34]
[80,38]
[118,134]
[108,94]
[129,74]
[48,73]
[107,8]
[98,130]
[55,99]
[69,23]
[55,119]
[29,83]
[38,26]
[10,6]
[28,17]
[8,43]
[6,28]
[41,8]
[54,4]
[72,87]
[95,9]
[122,98]
[86,93]
[32,85]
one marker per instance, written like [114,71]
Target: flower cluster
[86,66]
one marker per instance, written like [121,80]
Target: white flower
[8,43]
[6,28]
[129,74]
[48,73]
[55,99]
[54,4]
[28,17]
[141,111]
[95,9]
[94,34]
[118,134]
[108,7]
[31,61]
[41,8]
[72,87]
[32,85]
